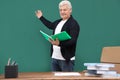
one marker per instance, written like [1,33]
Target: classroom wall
[21,40]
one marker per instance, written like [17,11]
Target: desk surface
[50,76]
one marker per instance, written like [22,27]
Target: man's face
[65,12]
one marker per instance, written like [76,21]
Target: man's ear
[70,10]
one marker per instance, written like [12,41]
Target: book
[101,72]
[106,72]
[99,64]
[100,69]
[111,76]
[92,75]
[60,36]
[97,68]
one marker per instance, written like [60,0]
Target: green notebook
[61,36]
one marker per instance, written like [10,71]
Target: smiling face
[65,11]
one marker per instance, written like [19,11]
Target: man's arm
[46,22]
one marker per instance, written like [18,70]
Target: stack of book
[100,69]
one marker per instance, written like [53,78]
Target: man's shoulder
[57,21]
[73,20]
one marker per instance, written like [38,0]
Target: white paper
[66,74]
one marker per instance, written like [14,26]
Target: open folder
[60,36]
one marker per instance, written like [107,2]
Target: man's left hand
[54,42]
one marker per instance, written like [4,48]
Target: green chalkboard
[21,40]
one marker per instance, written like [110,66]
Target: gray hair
[65,2]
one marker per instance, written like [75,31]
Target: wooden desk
[50,76]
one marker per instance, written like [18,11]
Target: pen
[9,61]
[13,63]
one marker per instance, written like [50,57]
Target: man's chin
[62,17]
